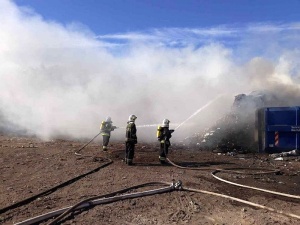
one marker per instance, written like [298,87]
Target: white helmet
[132,118]
[165,123]
[108,119]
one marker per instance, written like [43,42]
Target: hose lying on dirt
[108,197]
[243,201]
[174,186]
[232,170]
[87,203]
[228,170]
[254,188]
[73,208]
[51,190]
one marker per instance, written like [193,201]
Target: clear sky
[119,16]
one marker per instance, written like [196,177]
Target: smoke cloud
[59,79]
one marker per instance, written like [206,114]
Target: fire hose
[77,152]
[243,201]
[104,196]
[254,188]
[231,170]
[108,199]
[103,199]
[51,190]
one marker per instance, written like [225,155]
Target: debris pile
[294,152]
[235,132]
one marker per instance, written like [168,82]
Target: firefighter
[163,136]
[105,129]
[131,139]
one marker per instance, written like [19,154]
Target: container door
[282,129]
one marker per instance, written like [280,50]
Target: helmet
[132,118]
[108,119]
[165,123]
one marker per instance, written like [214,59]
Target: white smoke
[61,80]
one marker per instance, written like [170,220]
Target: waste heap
[235,132]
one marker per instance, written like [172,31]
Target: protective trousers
[129,152]
[164,149]
[105,142]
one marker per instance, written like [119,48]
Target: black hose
[51,190]
[103,199]
[87,144]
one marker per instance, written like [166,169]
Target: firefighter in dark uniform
[131,139]
[163,136]
[105,129]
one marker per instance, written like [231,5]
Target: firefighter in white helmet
[131,139]
[105,129]
[163,135]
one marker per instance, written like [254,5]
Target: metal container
[278,129]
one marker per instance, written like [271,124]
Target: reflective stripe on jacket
[106,128]
[131,132]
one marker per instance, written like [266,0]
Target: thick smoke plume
[60,80]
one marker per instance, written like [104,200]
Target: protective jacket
[106,128]
[131,132]
[164,134]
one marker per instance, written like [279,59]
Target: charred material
[235,132]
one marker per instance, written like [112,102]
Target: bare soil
[29,166]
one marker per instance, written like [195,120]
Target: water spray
[190,117]
[199,110]
[148,125]
[145,125]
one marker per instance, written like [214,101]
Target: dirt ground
[29,166]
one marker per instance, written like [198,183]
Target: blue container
[278,129]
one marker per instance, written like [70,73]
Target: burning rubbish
[239,130]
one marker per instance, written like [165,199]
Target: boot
[162,160]
[129,162]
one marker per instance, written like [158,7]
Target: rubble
[235,132]
[294,152]
[279,159]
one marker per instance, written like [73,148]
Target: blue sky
[121,16]
[180,23]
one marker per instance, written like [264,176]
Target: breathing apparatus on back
[160,129]
[107,124]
